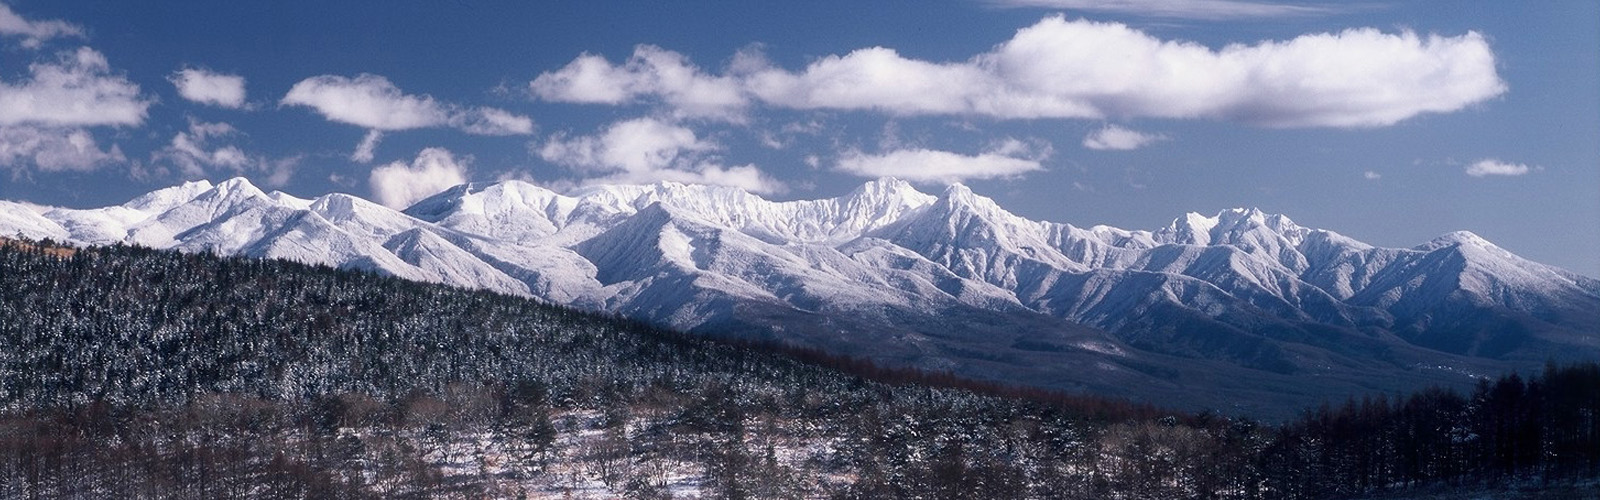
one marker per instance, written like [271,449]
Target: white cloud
[373,102]
[1081,69]
[1185,9]
[650,72]
[589,79]
[1032,149]
[1058,68]
[190,151]
[1113,137]
[75,90]
[874,78]
[1371,175]
[639,144]
[1491,166]
[491,121]
[644,150]
[53,149]
[196,153]
[398,185]
[369,101]
[206,87]
[926,165]
[34,33]
[368,146]
[44,115]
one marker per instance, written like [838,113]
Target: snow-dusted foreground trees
[130,372]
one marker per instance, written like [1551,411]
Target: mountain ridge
[949,281]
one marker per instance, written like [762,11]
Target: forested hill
[132,372]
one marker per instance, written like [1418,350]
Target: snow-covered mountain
[1237,308]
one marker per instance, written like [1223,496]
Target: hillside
[1241,311]
[192,375]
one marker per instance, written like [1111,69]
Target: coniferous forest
[128,372]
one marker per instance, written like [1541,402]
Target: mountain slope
[1242,308]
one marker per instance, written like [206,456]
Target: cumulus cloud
[53,150]
[76,89]
[206,87]
[1187,9]
[1491,166]
[1371,175]
[651,72]
[646,150]
[926,165]
[192,153]
[398,185]
[45,114]
[1060,68]
[34,33]
[202,150]
[1113,137]
[369,101]
[874,78]
[638,144]
[373,102]
[1082,69]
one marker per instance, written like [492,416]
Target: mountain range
[1241,311]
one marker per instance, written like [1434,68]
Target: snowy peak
[882,200]
[959,194]
[1456,238]
[162,200]
[1272,236]
[289,200]
[1191,229]
[888,191]
[343,207]
[958,201]
[237,188]
[695,256]
[1231,227]
[694,197]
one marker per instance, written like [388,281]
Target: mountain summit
[1241,309]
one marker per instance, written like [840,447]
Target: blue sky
[1391,122]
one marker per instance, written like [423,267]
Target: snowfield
[946,281]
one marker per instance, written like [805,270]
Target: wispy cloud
[367,147]
[1117,138]
[373,102]
[645,150]
[34,33]
[934,166]
[1491,166]
[205,150]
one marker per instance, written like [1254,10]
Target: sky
[1390,122]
